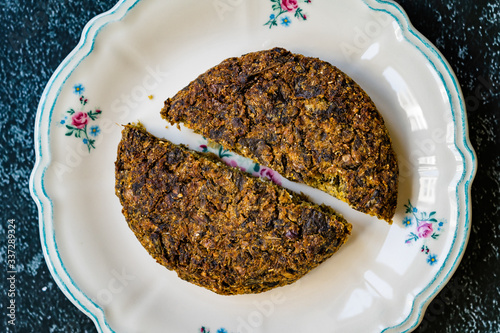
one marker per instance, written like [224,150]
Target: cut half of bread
[299,116]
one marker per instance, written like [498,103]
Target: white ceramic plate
[139,53]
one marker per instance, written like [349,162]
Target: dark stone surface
[36,36]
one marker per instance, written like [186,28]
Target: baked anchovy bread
[300,116]
[215,225]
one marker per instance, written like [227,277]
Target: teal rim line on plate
[117,13]
[90,32]
[467,181]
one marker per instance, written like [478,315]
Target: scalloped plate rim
[468,173]
[118,12]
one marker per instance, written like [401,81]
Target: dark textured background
[36,36]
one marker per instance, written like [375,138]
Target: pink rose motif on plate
[76,121]
[425,230]
[271,175]
[285,11]
[289,5]
[234,164]
[236,161]
[79,120]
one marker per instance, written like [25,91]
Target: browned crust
[300,116]
[216,226]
